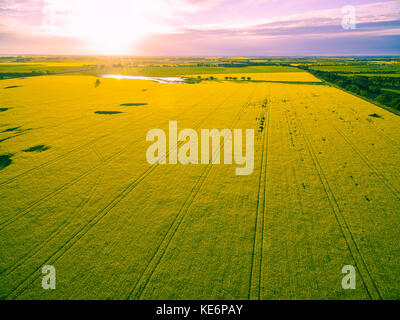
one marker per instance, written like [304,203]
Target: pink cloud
[204,24]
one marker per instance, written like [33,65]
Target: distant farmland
[76,191]
[379,68]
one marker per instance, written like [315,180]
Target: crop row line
[373,128]
[59,229]
[91,142]
[138,289]
[258,241]
[353,248]
[85,229]
[365,159]
[65,186]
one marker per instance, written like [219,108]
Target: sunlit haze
[197,28]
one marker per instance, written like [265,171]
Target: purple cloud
[197,27]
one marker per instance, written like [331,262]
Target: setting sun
[110,28]
[107,27]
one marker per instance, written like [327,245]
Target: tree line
[369,87]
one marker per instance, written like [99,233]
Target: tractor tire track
[373,128]
[352,246]
[138,289]
[60,189]
[258,241]
[45,164]
[91,142]
[60,157]
[296,155]
[389,185]
[59,230]
[85,229]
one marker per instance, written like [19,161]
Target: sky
[200,27]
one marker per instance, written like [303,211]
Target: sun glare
[110,27]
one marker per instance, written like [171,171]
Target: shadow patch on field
[12,129]
[5,160]
[38,148]
[12,87]
[133,104]
[17,131]
[4,109]
[108,112]
[374,115]
[5,139]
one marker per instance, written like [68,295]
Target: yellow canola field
[79,194]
